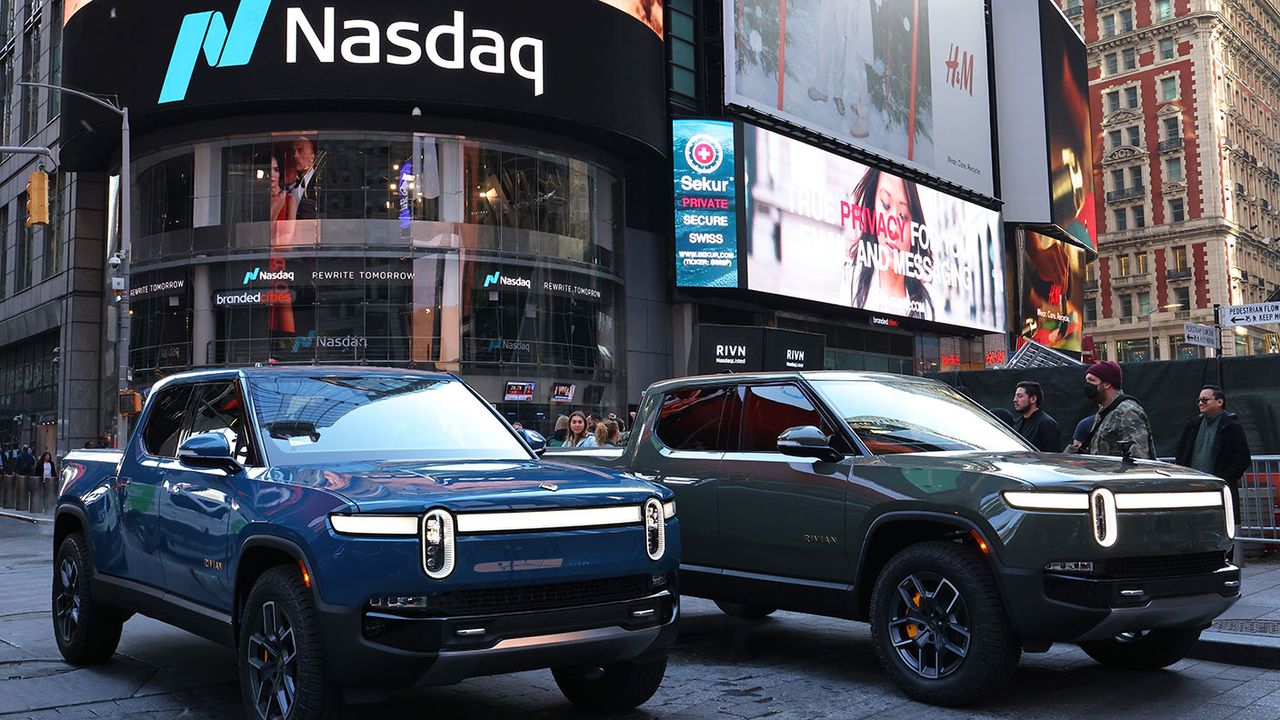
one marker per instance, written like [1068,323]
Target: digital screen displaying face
[1052,293]
[828,229]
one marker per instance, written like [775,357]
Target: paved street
[790,666]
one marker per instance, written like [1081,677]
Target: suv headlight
[655,528]
[438,553]
[375,525]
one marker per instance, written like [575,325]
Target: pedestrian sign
[1202,335]
[1242,315]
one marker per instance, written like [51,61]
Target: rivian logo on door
[820,539]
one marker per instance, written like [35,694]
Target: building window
[1090,310]
[1168,89]
[1126,21]
[54,244]
[1144,303]
[1177,212]
[1108,26]
[1111,63]
[1125,265]
[30,118]
[1115,139]
[1113,101]
[1166,48]
[683,55]
[1164,10]
[1131,97]
[22,259]
[1139,221]
[1122,220]
[1130,58]
[1142,263]
[1126,306]
[1135,136]
[1135,176]
[166,190]
[1173,169]
[1172,129]
[1180,258]
[1117,180]
[1183,296]
[55,57]
[6,81]
[1133,350]
[4,247]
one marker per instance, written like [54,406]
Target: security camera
[115,261]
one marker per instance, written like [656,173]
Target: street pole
[126,228]
[1217,326]
[1151,339]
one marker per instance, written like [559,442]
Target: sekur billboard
[906,80]
[825,228]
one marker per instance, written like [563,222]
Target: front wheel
[939,627]
[615,688]
[87,631]
[1143,650]
[281,658]
[746,612]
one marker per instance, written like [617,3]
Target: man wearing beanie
[1120,418]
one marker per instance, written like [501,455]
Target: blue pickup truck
[352,532]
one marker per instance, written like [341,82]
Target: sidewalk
[1249,633]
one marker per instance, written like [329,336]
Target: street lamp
[126,228]
[1151,338]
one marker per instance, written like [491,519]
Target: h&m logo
[223,45]
[960,69]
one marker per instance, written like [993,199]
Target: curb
[1260,651]
[33,519]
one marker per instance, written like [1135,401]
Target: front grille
[1162,566]
[540,597]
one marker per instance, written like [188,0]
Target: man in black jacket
[1215,443]
[1034,424]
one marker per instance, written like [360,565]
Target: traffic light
[130,403]
[38,198]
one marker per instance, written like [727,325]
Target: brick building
[1186,99]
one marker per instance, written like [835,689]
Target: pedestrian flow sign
[1242,315]
[1202,335]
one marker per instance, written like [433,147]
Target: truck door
[196,502]
[684,455]
[780,515]
[138,487]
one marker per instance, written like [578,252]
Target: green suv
[897,501]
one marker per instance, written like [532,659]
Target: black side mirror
[209,451]
[536,441]
[808,442]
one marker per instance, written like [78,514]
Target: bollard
[6,482]
[50,495]
[20,493]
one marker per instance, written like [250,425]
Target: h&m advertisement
[1052,293]
[904,79]
[825,228]
[706,220]
[1066,82]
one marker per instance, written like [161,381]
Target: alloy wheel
[67,604]
[273,669]
[929,626]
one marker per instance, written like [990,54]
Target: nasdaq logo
[223,45]
[492,279]
[257,274]
[301,342]
[498,278]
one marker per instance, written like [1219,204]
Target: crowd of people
[21,461]
[1213,441]
[586,430]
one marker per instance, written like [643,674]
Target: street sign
[1202,335]
[1241,315]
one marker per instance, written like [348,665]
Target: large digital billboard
[706,221]
[903,79]
[825,228]
[1052,274]
[1066,81]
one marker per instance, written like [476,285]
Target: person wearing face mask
[1120,417]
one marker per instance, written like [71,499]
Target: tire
[280,647]
[951,589]
[87,631]
[746,612]
[1146,650]
[617,688]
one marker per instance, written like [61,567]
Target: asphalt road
[788,666]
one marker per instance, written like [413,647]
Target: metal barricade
[1260,501]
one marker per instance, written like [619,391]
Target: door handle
[680,482]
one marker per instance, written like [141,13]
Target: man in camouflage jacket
[1120,417]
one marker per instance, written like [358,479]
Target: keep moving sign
[705,204]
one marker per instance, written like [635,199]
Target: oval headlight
[437,543]
[655,529]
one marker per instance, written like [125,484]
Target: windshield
[340,418]
[912,416]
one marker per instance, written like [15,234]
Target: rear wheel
[282,664]
[746,612]
[939,627]
[87,631]
[1143,650]
[616,688]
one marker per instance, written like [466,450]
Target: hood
[470,486]
[1063,472]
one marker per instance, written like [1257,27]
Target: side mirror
[808,442]
[209,451]
[536,441]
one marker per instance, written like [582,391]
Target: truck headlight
[437,543]
[1228,505]
[655,529]
[1047,500]
[376,525]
